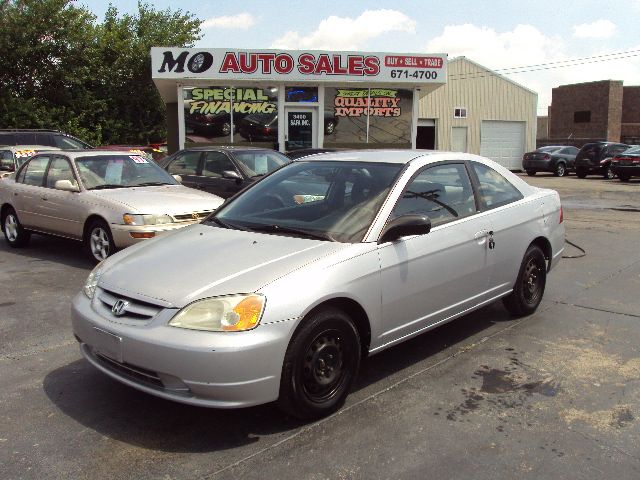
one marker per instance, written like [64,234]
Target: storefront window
[210,113]
[301,94]
[377,117]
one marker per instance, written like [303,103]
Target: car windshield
[334,201]
[260,162]
[117,171]
[635,149]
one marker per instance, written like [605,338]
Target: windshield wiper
[432,196]
[228,225]
[107,185]
[151,184]
[295,231]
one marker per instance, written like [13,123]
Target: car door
[514,220]
[216,177]
[187,165]
[429,278]
[28,191]
[61,210]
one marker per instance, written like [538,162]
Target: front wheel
[14,232]
[608,173]
[99,241]
[529,287]
[581,172]
[531,173]
[561,170]
[320,365]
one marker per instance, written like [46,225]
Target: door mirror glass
[231,174]
[178,178]
[405,226]
[66,186]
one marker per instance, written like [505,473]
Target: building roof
[491,72]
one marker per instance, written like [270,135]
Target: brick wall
[603,99]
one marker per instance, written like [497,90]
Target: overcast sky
[599,39]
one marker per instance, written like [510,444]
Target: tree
[136,111]
[62,69]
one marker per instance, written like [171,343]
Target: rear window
[591,150]
[549,149]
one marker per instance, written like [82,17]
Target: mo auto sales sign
[297,65]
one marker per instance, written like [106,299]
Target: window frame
[51,160]
[203,159]
[478,192]
[199,165]
[23,170]
[460,110]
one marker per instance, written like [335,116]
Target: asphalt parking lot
[555,395]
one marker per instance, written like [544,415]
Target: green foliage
[62,69]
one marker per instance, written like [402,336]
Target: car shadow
[52,249]
[117,411]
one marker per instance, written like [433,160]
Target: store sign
[377,102]
[223,64]
[213,101]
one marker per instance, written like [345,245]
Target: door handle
[481,234]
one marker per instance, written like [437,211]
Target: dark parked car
[210,125]
[595,158]
[557,159]
[627,164]
[49,138]
[222,170]
[264,126]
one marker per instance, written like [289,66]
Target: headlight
[234,313]
[136,219]
[92,281]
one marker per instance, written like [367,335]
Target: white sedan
[284,290]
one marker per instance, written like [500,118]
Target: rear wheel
[531,173]
[529,287]
[98,241]
[14,232]
[561,170]
[624,178]
[320,365]
[581,172]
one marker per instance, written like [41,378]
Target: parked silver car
[106,199]
[335,256]
[12,156]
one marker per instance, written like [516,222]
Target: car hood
[170,199]
[204,261]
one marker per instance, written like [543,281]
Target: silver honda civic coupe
[281,292]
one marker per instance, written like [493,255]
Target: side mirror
[405,226]
[66,186]
[178,178]
[7,168]
[231,175]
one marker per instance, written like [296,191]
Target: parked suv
[595,158]
[50,138]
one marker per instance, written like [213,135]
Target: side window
[33,173]
[442,192]
[619,149]
[45,139]
[215,163]
[25,138]
[60,169]
[185,164]
[67,143]
[495,190]
[6,160]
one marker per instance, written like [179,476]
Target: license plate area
[108,344]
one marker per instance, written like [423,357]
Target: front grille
[140,375]
[134,310]
[190,216]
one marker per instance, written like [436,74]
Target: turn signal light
[561,215]
[248,313]
[142,234]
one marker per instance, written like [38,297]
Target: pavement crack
[597,309]
[603,445]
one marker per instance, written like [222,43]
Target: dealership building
[341,100]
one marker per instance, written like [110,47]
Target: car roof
[229,148]
[377,156]
[15,148]
[95,152]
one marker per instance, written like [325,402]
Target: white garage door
[503,142]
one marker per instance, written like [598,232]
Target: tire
[98,241]
[624,178]
[560,170]
[531,173]
[581,172]
[608,173]
[321,362]
[529,287]
[225,129]
[14,232]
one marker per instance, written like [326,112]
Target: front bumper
[212,369]
[122,234]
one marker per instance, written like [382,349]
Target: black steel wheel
[320,365]
[561,170]
[531,173]
[624,177]
[14,232]
[581,172]
[529,287]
